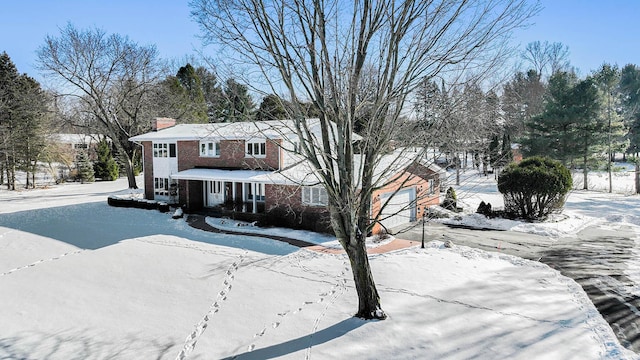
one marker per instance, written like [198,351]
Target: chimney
[160,123]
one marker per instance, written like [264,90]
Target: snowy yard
[82,280]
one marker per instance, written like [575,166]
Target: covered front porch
[232,190]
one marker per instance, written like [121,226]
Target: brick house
[255,168]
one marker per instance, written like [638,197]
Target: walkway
[198,221]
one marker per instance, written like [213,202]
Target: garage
[401,208]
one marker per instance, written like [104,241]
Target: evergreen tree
[630,91]
[23,112]
[570,128]
[105,167]
[191,86]
[84,167]
[213,94]
[552,132]
[239,105]
[272,107]
[8,118]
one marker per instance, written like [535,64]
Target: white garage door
[400,209]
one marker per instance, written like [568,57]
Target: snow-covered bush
[534,188]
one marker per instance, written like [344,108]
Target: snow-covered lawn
[82,280]
[583,207]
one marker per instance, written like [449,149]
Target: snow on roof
[219,175]
[76,138]
[274,129]
[390,165]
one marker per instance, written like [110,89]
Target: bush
[534,188]
[105,167]
[84,167]
[485,209]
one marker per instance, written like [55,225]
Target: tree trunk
[128,164]
[368,297]
[637,176]
[584,174]
[131,178]
[456,161]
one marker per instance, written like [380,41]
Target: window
[161,186]
[259,192]
[315,195]
[257,148]
[164,150]
[209,149]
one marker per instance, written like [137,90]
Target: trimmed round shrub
[534,188]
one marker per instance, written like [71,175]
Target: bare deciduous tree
[549,57]
[111,76]
[323,52]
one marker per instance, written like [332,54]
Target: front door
[215,193]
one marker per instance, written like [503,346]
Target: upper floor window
[314,195]
[209,148]
[432,186]
[256,148]
[164,150]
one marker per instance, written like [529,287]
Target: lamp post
[424,217]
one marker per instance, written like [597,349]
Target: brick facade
[147,161]
[416,176]
[232,156]
[280,203]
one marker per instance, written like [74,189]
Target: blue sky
[595,31]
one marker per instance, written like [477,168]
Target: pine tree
[569,129]
[239,104]
[84,167]
[105,167]
[272,107]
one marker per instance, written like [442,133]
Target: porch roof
[223,175]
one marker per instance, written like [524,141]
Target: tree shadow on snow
[96,225]
[288,347]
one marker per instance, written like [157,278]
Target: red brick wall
[191,194]
[232,155]
[148,169]
[286,202]
[416,176]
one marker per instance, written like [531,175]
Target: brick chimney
[160,123]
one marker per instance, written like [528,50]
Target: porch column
[244,196]
[255,205]
[233,191]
